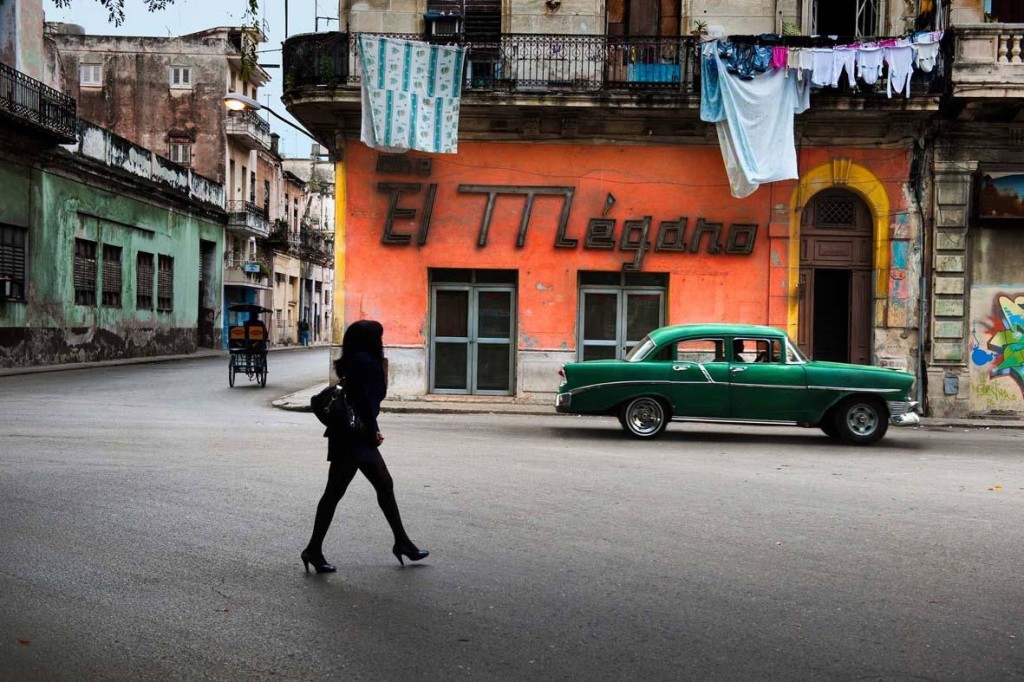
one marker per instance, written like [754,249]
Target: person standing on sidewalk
[362,369]
[303,332]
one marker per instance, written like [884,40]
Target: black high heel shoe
[409,552]
[319,562]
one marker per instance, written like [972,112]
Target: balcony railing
[37,104]
[250,127]
[247,217]
[989,60]
[518,62]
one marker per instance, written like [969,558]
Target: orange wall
[389,283]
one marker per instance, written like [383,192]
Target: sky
[189,16]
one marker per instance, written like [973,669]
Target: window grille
[112,276]
[837,212]
[85,272]
[165,284]
[12,259]
[144,281]
[90,74]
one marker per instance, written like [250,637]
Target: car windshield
[640,350]
[793,353]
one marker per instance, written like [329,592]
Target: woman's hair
[363,336]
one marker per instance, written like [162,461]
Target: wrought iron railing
[517,62]
[240,206]
[38,104]
[250,123]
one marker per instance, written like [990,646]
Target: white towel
[411,92]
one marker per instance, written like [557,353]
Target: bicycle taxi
[247,344]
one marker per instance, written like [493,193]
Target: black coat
[366,387]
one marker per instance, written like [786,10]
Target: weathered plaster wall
[59,203]
[136,100]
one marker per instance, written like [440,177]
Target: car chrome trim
[707,375]
[853,388]
[591,387]
[714,420]
[909,419]
[736,383]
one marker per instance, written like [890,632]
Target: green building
[106,249]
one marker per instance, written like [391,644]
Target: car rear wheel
[644,417]
[861,421]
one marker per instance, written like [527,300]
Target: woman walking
[362,368]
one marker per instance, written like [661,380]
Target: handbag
[332,407]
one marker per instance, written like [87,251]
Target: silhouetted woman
[363,370]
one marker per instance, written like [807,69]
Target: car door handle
[680,368]
[737,369]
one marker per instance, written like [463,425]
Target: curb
[148,360]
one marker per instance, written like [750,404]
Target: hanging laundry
[870,63]
[901,67]
[754,120]
[927,54]
[824,67]
[410,94]
[845,60]
[801,61]
[780,56]
[745,60]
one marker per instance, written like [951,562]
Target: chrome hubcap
[862,420]
[645,416]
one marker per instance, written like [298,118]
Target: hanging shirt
[754,119]
[901,67]
[870,61]
[824,69]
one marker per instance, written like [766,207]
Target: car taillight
[561,373]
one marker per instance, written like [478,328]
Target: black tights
[339,476]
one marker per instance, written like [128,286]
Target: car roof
[663,334]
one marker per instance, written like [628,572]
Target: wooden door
[835,299]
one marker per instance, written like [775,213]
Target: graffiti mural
[1004,345]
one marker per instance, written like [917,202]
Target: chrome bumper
[563,402]
[904,413]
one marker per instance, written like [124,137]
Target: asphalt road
[151,520]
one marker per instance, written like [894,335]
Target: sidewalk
[299,402]
[199,354]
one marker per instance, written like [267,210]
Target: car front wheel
[644,417]
[861,421]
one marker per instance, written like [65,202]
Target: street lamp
[238,102]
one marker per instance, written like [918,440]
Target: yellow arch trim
[868,187]
[340,208]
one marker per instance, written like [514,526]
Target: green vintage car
[737,373]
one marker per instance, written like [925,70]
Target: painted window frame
[165,283]
[145,268]
[112,276]
[179,150]
[85,272]
[14,260]
[179,77]
[89,69]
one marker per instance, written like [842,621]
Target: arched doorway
[835,278]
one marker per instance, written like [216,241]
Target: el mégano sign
[636,235]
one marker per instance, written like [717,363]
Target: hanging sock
[901,66]
[870,61]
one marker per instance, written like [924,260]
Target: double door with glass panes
[614,318]
[472,334]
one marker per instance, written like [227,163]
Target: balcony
[246,273]
[282,237]
[316,247]
[557,86]
[247,218]
[38,106]
[989,61]
[248,129]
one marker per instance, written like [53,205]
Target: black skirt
[359,450]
